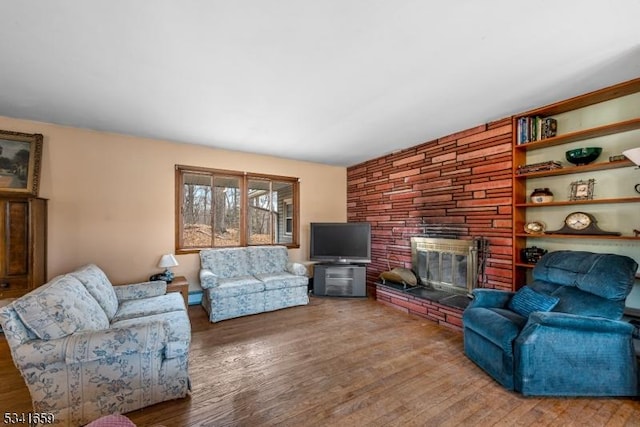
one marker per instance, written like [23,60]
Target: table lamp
[168,261]
[633,154]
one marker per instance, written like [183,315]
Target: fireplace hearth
[447,269]
[426,293]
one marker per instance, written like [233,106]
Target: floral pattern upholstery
[296,268]
[137,308]
[267,259]
[243,281]
[140,290]
[281,280]
[99,286]
[238,286]
[60,308]
[223,264]
[81,368]
[178,330]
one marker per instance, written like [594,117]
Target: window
[216,208]
[288,217]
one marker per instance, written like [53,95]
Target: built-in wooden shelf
[591,98]
[580,202]
[577,169]
[581,135]
[525,265]
[576,236]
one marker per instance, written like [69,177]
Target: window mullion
[212,219]
[244,209]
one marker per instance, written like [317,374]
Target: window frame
[243,179]
[286,203]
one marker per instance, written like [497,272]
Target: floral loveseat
[86,348]
[242,281]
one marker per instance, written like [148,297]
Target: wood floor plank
[342,362]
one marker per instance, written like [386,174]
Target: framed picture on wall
[20,157]
[582,190]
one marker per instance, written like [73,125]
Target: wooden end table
[181,285]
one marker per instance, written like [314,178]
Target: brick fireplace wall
[461,181]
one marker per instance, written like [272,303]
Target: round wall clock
[582,223]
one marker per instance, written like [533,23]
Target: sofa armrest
[296,268]
[140,290]
[39,352]
[208,279]
[96,345]
[490,298]
[92,345]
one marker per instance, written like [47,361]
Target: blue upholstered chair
[562,334]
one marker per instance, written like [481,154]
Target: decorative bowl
[583,156]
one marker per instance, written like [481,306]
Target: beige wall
[111,197]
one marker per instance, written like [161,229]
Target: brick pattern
[446,316]
[462,179]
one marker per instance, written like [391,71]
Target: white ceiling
[329,81]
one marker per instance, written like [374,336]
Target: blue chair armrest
[582,323]
[559,354]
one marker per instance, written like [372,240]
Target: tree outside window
[216,208]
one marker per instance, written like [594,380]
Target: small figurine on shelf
[532,254]
[541,195]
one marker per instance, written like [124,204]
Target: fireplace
[448,265]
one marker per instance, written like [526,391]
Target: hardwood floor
[342,362]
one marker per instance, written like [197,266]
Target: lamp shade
[167,261]
[633,155]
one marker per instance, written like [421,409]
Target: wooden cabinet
[607,118]
[23,257]
[180,284]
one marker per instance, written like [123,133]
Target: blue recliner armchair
[560,335]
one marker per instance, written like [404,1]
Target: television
[340,242]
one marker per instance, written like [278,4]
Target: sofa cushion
[225,263]
[526,301]
[281,280]
[59,308]
[575,301]
[237,286]
[99,286]
[544,287]
[129,309]
[267,259]
[589,271]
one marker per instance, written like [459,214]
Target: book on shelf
[536,128]
[539,167]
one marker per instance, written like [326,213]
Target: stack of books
[536,128]
[538,167]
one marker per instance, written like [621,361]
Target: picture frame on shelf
[582,190]
[20,160]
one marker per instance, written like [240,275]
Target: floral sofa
[243,281]
[86,348]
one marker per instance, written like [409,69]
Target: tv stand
[340,280]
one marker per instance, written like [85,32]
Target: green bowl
[583,156]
